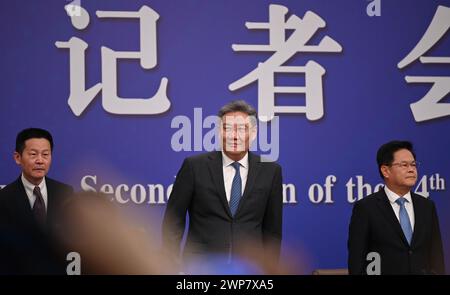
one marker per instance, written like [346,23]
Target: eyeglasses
[406,165]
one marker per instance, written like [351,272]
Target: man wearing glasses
[233,198]
[399,225]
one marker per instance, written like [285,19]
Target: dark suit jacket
[199,190]
[25,248]
[375,228]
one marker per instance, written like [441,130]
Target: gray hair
[237,106]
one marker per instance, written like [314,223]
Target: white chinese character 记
[80,97]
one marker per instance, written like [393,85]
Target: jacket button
[410,252]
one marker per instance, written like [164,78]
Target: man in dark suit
[28,208]
[399,225]
[234,199]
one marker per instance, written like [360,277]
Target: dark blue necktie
[404,219]
[236,189]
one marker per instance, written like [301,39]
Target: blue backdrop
[366,100]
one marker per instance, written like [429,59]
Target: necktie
[404,219]
[39,207]
[236,189]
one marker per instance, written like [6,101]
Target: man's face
[237,133]
[35,159]
[402,173]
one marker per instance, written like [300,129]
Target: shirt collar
[393,196]
[226,161]
[30,187]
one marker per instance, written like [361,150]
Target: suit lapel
[51,199]
[253,170]
[388,213]
[216,170]
[21,205]
[419,216]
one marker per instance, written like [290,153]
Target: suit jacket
[375,228]
[26,248]
[199,190]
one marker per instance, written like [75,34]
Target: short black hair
[30,133]
[385,154]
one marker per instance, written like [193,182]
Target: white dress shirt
[229,172]
[29,188]
[396,207]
